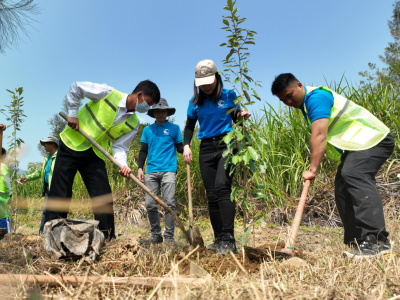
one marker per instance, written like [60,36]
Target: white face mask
[142,108]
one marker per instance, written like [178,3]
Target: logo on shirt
[166,131]
[221,104]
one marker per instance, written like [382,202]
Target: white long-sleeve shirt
[96,92]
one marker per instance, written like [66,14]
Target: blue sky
[123,42]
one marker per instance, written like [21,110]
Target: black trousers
[357,198]
[94,175]
[218,185]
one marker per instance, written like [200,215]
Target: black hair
[198,97]
[3,151]
[281,82]
[148,88]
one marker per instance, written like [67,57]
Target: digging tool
[258,254]
[137,181]
[290,242]
[194,233]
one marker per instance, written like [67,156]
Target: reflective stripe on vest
[97,119]
[351,127]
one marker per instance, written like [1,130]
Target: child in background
[5,192]
[160,141]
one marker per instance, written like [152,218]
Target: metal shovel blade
[195,237]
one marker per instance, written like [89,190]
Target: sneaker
[153,240]
[227,245]
[215,246]
[368,248]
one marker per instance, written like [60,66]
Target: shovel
[257,253]
[137,181]
[194,233]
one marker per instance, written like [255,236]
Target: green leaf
[230,54]
[231,110]
[245,236]
[247,158]
[252,152]
[263,141]
[235,159]
[233,194]
[225,22]
[250,42]
[239,135]
[226,153]
[227,138]
[245,85]
[252,166]
[245,64]
[246,95]
[223,44]
[236,80]
[230,5]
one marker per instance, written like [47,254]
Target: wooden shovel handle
[137,181]
[189,183]
[290,242]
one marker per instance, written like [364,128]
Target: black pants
[94,175]
[218,185]
[357,198]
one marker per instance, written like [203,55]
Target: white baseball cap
[205,72]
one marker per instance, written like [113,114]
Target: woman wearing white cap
[209,106]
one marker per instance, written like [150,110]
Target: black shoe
[215,246]
[170,242]
[227,245]
[153,240]
[368,248]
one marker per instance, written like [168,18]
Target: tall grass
[287,153]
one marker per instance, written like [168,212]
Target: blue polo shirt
[318,104]
[46,176]
[212,116]
[161,140]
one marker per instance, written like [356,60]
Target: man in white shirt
[110,116]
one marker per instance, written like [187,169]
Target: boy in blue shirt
[159,142]
[5,193]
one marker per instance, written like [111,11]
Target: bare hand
[2,127]
[187,154]
[140,175]
[22,180]
[309,175]
[73,123]
[125,171]
[244,113]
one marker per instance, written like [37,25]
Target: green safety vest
[42,173]
[4,191]
[351,127]
[96,119]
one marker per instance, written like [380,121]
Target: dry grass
[326,276]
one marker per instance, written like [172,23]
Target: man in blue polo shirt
[159,142]
[352,135]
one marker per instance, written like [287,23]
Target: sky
[121,43]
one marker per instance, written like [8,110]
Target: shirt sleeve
[192,110]
[80,90]
[121,146]
[178,136]
[143,138]
[319,105]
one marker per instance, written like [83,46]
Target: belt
[214,138]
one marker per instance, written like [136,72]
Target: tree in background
[57,124]
[15,17]
[391,56]
[15,116]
